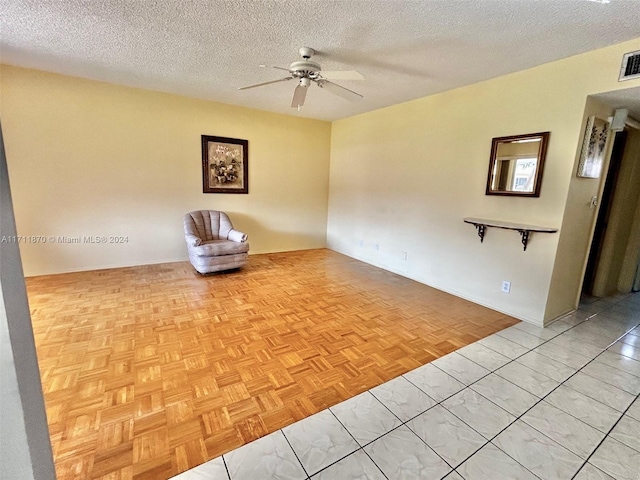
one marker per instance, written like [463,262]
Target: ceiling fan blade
[299,95]
[280,68]
[338,90]
[341,75]
[265,83]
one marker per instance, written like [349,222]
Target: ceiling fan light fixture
[305,82]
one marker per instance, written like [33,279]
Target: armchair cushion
[220,247]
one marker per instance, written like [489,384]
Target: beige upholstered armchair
[212,242]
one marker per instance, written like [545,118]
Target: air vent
[630,66]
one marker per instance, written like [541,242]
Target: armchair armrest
[237,236]
[192,240]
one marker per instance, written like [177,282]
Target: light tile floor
[526,403]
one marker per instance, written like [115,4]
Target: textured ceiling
[208,48]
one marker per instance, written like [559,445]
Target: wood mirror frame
[516,165]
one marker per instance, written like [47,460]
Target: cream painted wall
[577,226]
[90,158]
[402,179]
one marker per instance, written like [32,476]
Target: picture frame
[593,148]
[225,165]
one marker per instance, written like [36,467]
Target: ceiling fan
[306,71]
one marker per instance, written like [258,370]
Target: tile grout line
[466,386]
[403,423]
[562,383]
[351,453]
[488,441]
[484,376]
[554,389]
[540,398]
[296,455]
[358,443]
[608,435]
[516,419]
[224,462]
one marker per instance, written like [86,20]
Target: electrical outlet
[506,286]
[404,255]
[361,243]
[377,246]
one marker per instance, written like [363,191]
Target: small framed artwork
[593,145]
[225,165]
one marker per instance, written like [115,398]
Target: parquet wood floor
[149,371]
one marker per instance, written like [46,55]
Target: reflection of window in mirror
[516,165]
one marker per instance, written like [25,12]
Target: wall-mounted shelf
[481,225]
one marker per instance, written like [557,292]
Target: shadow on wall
[264,239]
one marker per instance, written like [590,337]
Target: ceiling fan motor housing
[307,71]
[305,68]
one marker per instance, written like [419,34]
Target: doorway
[614,255]
[604,213]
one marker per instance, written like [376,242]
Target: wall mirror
[516,163]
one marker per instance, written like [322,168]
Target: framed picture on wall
[225,165]
[593,145]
